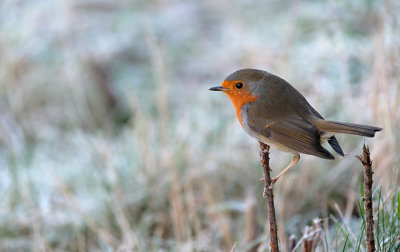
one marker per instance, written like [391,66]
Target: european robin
[275,113]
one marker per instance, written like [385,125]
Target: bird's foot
[270,186]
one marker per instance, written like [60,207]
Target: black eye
[239,85]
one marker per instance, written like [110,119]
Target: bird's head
[241,86]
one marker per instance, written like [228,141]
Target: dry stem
[369,217]
[268,193]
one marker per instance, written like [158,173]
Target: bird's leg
[347,155]
[296,159]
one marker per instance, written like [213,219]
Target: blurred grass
[110,139]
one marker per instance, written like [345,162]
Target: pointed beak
[218,88]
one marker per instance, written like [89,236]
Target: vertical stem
[268,193]
[369,216]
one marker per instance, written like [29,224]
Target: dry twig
[369,216]
[268,193]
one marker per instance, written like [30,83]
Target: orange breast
[240,98]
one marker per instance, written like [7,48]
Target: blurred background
[111,140]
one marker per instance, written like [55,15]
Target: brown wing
[283,115]
[294,132]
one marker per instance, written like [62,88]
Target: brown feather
[294,133]
[347,128]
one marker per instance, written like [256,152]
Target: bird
[275,113]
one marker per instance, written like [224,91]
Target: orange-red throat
[238,96]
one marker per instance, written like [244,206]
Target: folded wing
[294,132]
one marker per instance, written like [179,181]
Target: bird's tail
[347,128]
